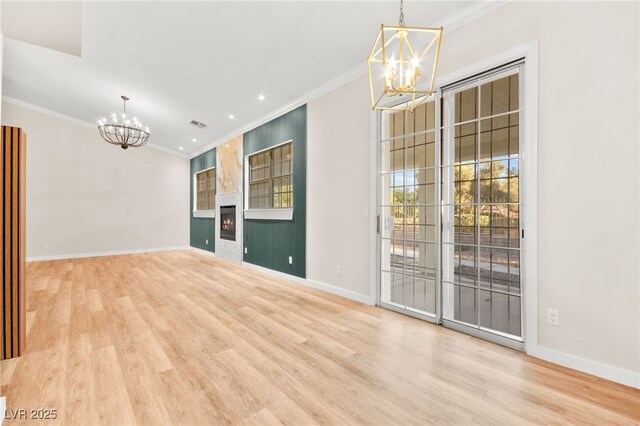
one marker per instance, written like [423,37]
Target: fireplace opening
[228,222]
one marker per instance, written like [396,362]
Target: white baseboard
[605,371]
[104,253]
[347,294]
[199,250]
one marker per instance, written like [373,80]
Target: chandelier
[122,130]
[403,63]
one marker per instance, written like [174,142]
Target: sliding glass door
[450,216]
[481,256]
[409,216]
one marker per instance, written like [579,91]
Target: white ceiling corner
[50,24]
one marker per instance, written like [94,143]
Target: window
[450,206]
[481,270]
[271,178]
[205,190]
[409,207]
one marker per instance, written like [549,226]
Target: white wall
[588,132]
[86,196]
[588,200]
[3,399]
[338,196]
[1,58]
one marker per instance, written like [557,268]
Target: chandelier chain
[402,13]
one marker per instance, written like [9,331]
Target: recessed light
[231,117]
[226,145]
[193,140]
[261,97]
[180,148]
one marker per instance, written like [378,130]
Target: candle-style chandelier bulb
[123,131]
[402,63]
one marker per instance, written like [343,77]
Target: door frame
[529,185]
[477,329]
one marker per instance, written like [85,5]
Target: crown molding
[469,13]
[451,23]
[321,90]
[77,121]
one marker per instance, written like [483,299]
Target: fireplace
[228,222]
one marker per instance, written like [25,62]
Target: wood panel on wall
[13,225]
[269,243]
[202,229]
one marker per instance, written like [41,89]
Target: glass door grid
[481,210]
[410,219]
[452,251]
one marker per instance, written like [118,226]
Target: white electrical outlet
[553,317]
[45,245]
[339,270]
[164,240]
[290,260]
[245,250]
[206,242]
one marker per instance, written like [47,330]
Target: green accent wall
[202,229]
[269,243]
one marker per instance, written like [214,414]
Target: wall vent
[198,124]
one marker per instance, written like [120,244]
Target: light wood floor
[185,338]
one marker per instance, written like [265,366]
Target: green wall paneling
[202,229]
[269,243]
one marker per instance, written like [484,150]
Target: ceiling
[30,21]
[179,61]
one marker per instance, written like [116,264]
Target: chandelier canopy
[403,63]
[123,130]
